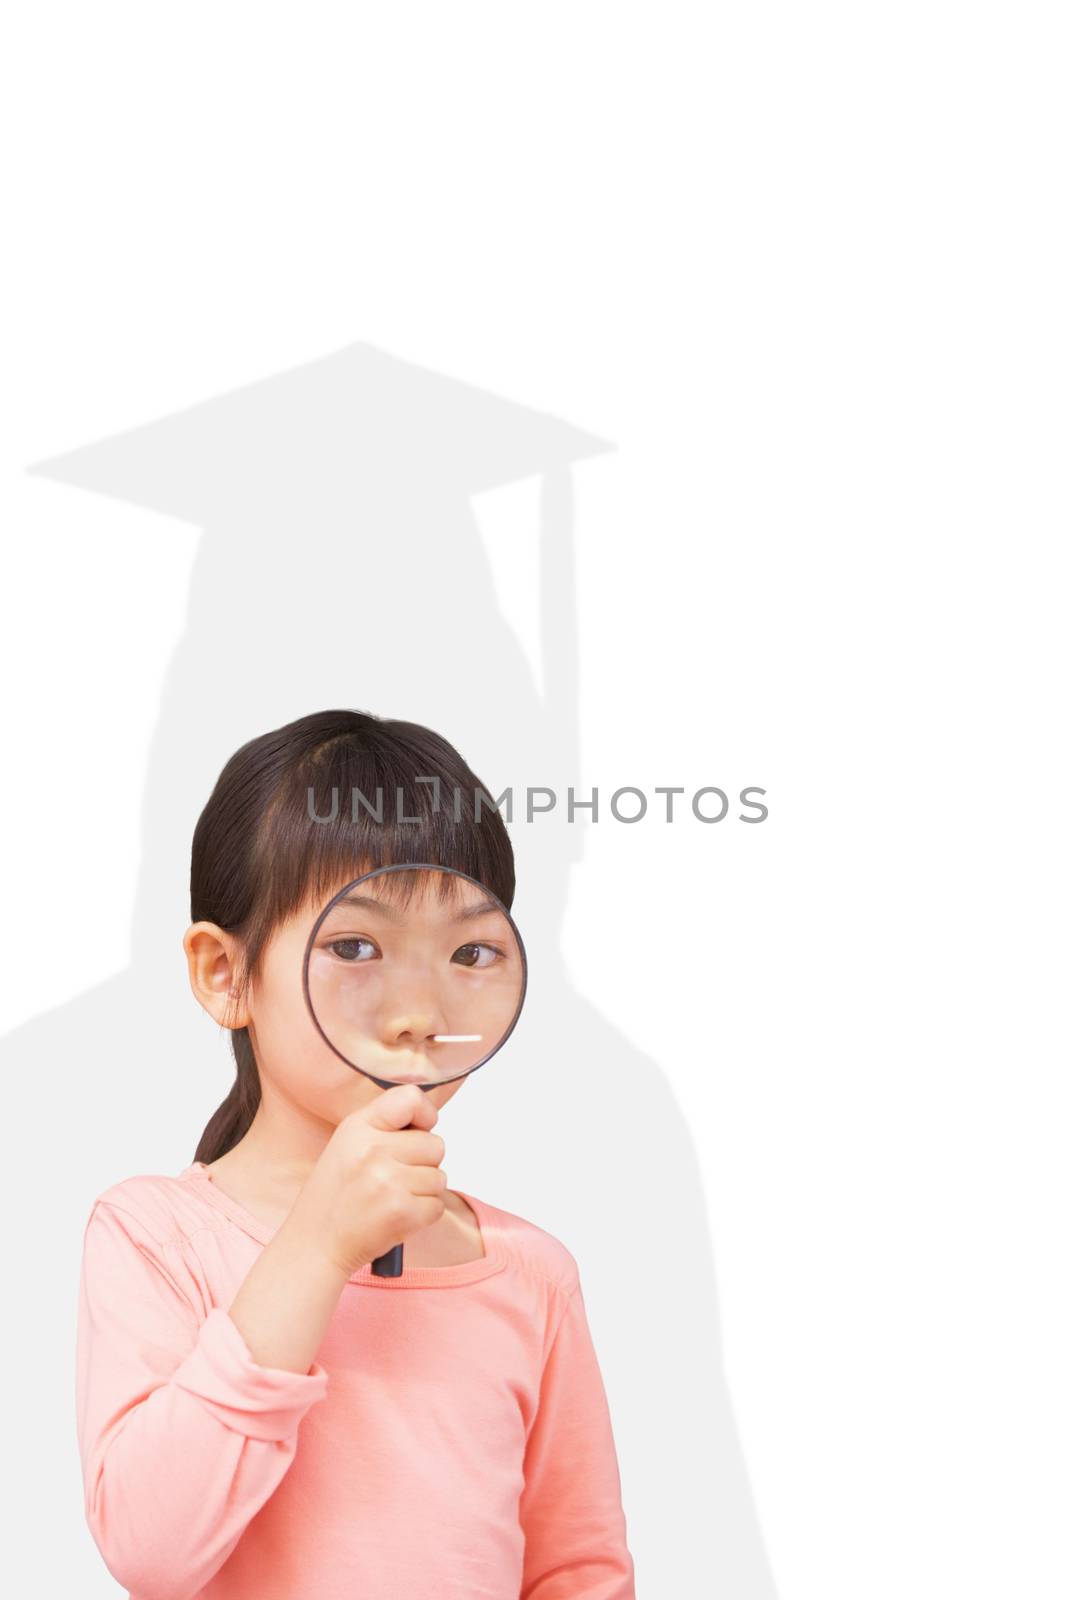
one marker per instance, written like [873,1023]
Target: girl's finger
[419,1149]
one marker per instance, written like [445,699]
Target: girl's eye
[463,955]
[345,949]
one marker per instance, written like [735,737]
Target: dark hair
[259,854]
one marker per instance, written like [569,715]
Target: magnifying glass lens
[415,974]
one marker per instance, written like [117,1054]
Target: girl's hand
[377,1181]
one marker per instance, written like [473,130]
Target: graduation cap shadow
[342,564]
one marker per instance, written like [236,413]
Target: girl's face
[400,977]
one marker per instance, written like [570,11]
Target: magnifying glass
[414,973]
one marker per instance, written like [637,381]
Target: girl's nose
[413,1028]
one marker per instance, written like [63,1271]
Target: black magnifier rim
[410,866]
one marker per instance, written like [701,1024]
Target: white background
[803,266]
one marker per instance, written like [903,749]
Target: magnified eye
[467,955]
[345,949]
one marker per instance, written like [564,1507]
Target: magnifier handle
[391,1265]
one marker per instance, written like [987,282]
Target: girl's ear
[214,956]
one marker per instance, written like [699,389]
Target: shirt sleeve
[182,1435]
[571,1507]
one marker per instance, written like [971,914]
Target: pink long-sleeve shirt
[451,1441]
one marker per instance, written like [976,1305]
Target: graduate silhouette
[341,564]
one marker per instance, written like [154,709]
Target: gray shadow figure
[341,564]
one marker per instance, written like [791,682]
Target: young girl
[259,1415]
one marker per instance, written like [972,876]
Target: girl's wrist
[304,1238]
